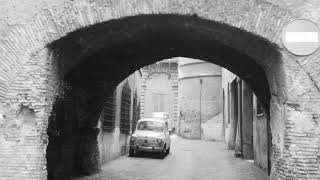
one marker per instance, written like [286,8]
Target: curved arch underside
[112,50]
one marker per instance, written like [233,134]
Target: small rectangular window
[108,121]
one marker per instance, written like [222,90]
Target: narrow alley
[188,160]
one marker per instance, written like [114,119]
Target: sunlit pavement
[188,160]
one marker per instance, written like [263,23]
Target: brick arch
[140,40]
[26,69]
[54,21]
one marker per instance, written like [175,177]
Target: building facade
[245,121]
[119,117]
[200,99]
[159,89]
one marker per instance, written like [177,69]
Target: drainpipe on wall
[200,109]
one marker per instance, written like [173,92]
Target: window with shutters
[125,109]
[136,112]
[108,122]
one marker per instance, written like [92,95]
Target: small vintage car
[151,135]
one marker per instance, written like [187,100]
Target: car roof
[155,119]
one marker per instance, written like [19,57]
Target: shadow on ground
[151,155]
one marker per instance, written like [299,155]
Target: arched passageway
[93,60]
[228,34]
[130,43]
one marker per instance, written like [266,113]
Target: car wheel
[164,152]
[131,153]
[168,151]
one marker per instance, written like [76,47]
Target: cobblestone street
[188,160]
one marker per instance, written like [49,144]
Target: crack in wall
[309,75]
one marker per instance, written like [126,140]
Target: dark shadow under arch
[112,50]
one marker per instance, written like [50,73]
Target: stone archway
[29,77]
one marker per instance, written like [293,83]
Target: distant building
[159,89]
[200,99]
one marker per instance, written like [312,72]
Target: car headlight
[159,141]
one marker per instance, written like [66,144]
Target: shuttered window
[125,109]
[136,112]
[108,122]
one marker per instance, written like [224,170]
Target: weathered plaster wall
[192,95]
[247,120]
[158,84]
[254,128]
[114,144]
[25,68]
[212,129]
[260,138]
[226,78]
[109,145]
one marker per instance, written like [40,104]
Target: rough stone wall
[27,27]
[23,136]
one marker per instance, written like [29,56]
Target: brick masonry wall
[27,27]
[23,129]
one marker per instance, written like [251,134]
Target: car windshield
[150,126]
